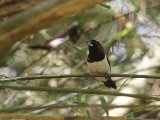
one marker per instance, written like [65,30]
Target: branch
[11,7]
[132,107]
[54,117]
[74,90]
[4,80]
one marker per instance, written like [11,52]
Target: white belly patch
[99,67]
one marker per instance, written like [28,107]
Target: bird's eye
[90,44]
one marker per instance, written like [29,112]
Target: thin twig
[3,80]
[54,117]
[133,107]
[74,90]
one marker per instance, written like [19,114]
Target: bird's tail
[110,83]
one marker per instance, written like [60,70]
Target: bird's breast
[99,67]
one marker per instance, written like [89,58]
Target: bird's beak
[89,43]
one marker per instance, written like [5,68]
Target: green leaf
[80,103]
[130,115]
[88,114]
[105,6]
[110,28]
[124,32]
[104,103]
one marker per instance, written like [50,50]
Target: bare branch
[132,107]
[3,80]
[11,7]
[45,117]
[83,91]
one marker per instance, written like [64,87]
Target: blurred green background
[130,33]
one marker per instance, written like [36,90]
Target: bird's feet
[86,75]
[107,76]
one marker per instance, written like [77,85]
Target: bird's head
[94,45]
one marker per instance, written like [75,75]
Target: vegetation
[43,59]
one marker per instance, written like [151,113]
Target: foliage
[129,31]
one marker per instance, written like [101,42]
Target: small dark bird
[70,33]
[98,62]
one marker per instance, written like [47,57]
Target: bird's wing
[108,62]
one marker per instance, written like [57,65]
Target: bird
[98,62]
[70,33]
